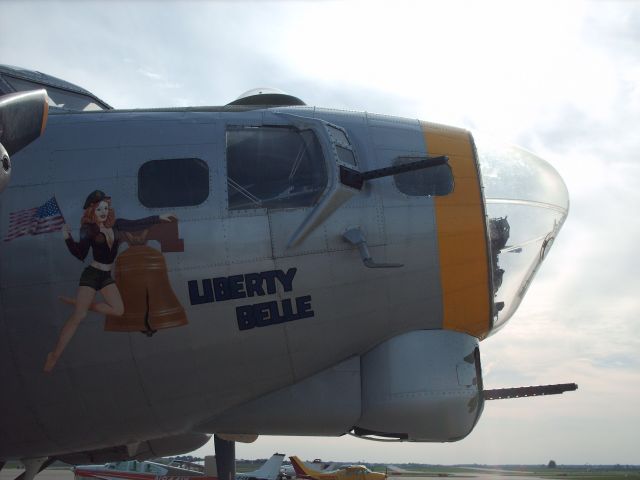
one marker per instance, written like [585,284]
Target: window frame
[144,201]
[230,127]
[400,160]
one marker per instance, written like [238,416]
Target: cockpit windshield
[57,97]
[526,204]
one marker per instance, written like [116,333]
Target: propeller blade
[23,116]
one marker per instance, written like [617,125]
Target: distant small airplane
[147,470]
[176,470]
[395,471]
[287,471]
[350,472]
[270,470]
[318,464]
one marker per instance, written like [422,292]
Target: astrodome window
[432,181]
[175,182]
[274,167]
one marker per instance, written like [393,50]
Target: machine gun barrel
[517,392]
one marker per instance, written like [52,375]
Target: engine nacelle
[420,386]
[5,168]
[23,117]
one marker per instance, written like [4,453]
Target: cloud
[151,75]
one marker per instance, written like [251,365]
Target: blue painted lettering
[194,292]
[274,312]
[234,287]
[221,289]
[286,279]
[253,284]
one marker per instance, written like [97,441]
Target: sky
[561,79]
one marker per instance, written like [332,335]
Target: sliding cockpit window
[274,167]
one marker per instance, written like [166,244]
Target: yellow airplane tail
[302,471]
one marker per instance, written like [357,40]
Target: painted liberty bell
[141,276]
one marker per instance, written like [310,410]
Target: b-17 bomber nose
[526,203]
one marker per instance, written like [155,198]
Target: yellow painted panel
[465,191]
[461,219]
[458,275]
[461,254]
[462,238]
[466,304]
[462,168]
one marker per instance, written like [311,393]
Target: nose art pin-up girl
[101,232]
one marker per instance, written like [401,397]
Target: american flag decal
[34,221]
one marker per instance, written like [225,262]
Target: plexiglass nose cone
[526,204]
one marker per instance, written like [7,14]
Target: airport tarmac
[470,475]
[53,474]
[65,474]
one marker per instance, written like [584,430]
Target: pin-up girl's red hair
[89,215]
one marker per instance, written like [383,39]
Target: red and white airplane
[175,470]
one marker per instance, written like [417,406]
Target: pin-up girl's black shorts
[96,279]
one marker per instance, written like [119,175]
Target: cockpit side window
[274,167]
[434,181]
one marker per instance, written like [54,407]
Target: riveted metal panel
[425,403]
